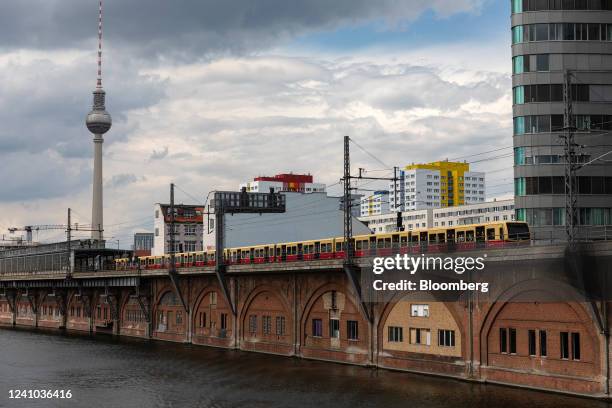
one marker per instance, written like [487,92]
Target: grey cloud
[159,154]
[43,104]
[122,180]
[188,28]
[40,176]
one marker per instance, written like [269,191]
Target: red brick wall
[209,311]
[265,303]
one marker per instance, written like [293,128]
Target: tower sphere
[98,120]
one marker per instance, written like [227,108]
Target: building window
[223,321]
[531,338]
[317,328]
[252,324]
[512,335]
[543,348]
[396,334]
[419,310]
[420,336]
[190,229]
[190,246]
[446,338]
[266,324]
[352,330]
[334,328]
[503,341]
[576,346]
[564,345]
[202,319]
[179,317]
[280,325]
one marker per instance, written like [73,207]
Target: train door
[480,237]
[423,239]
[317,250]
[283,253]
[450,239]
[372,246]
[403,243]
[300,252]
[395,238]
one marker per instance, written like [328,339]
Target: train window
[469,236]
[403,241]
[480,234]
[441,238]
[432,238]
[387,242]
[415,238]
[490,234]
[359,245]
[460,236]
[395,238]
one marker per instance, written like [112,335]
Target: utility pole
[348,215]
[68,241]
[571,184]
[398,208]
[172,267]
[351,270]
[172,227]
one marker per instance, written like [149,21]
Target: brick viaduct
[288,309]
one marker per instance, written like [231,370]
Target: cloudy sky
[210,93]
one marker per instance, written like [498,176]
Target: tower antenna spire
[99,82]
[98,122]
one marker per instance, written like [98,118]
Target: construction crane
[68,227]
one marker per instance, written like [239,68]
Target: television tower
[98,122]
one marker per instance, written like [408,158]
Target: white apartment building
[188,229]
[375,204]
[489,211]
[436,185]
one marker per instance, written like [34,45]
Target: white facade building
[188,224]
[375,204]
[489,211]
[436,185]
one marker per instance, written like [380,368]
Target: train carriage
[424,240]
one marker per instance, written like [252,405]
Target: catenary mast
[98,122]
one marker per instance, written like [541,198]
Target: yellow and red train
[463,237]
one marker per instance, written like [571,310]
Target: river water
[110,372]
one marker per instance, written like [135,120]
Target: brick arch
[314,296]
[166,322]
[97,301]
[211,331]
[398,297]
[134,324]
[72,298]
[74,322]
[516,308]
[276,307]
[546,287]
[325,346]
[53,316]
